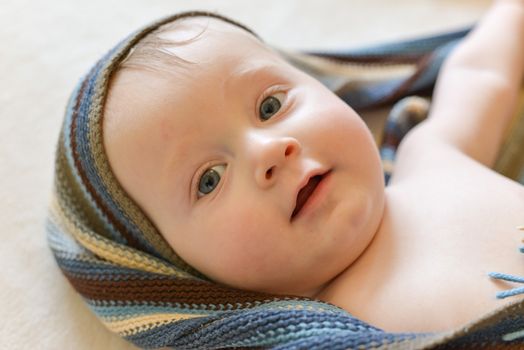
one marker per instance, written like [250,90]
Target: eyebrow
[271,70]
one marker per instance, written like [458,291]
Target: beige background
[48,45]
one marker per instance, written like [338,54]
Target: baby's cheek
[245,234]
[243,249]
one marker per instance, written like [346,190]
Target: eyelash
[198,176]
[270,92]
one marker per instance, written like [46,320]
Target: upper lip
[304,182]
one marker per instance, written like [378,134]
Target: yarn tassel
[509,278]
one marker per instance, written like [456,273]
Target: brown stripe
[101,205]
[383,60]
[168,290]
[390,139]
[402,90]
[408,83]
[70,195]
[68,188]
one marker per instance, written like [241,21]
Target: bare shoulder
[466,214]
[424,157]
[424,152]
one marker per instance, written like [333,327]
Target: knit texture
[129,276]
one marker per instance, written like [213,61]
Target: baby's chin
[363,224]
[348,247]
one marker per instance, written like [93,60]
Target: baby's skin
[262,179]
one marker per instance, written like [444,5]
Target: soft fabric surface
[49,45]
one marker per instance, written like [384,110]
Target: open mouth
[305,193]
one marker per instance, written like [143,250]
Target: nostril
[269,173]
[289,149]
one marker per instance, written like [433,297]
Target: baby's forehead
[206,51]
[186,47]
[212,52]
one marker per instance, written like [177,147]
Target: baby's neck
[372,252]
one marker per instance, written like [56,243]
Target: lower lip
[316,198]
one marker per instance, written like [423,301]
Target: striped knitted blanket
[113,255]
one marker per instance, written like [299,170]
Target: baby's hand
[477,88]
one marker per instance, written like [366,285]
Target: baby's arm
[476,91]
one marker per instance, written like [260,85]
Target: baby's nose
[271,156]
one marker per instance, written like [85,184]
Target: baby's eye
[210,179]
[271,105]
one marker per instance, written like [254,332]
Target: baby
[262,179]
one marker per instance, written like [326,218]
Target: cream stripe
[144,322]
[513,335]
[113,252]
[355,71]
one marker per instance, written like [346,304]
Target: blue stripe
[414,47]
[125,310]
[69,156]
[256,328]
[87,161]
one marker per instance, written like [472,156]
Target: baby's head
[254,173]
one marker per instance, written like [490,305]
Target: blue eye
[210,179]
[270,106]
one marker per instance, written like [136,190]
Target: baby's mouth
[305,193]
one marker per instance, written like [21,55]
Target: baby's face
[218,151]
